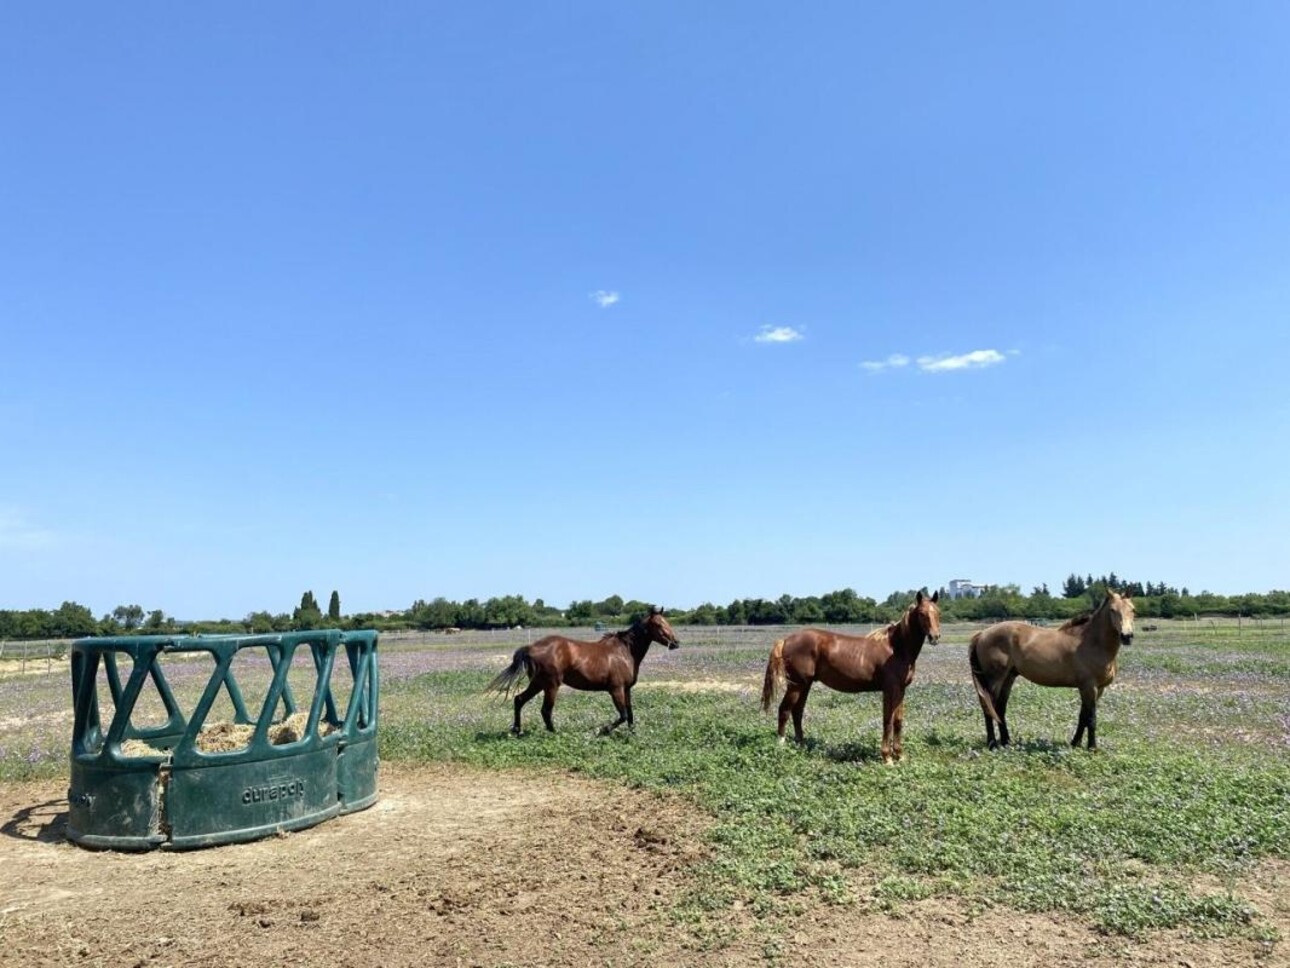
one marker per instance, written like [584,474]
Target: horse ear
[919,599]
[936,595]
[655,610]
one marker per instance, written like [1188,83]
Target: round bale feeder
[192,741]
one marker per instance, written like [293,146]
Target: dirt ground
[455,866]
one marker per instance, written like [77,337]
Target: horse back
[582,665]
[546,652]
[847,663]
[1047,657]
[1002,636]
[998,647]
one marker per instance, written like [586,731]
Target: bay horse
[1081,653]
[882,660]
[610,665]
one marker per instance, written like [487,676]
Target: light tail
[774,676]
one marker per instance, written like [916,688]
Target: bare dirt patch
[946,932]
[450,866]
[455,866]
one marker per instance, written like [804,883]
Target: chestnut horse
[1081,653]
[610,665]
[882,660]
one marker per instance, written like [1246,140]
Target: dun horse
[1081,653]
[610,665]
[882,660]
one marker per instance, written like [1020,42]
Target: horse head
[658,629]
[1121,611]
[925,616]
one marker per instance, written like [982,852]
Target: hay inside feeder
[227,737]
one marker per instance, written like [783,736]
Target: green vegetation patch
[1115,836]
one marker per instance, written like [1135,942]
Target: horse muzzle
[674,644]
[1126,639]
[934,639]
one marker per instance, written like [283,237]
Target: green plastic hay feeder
[153,776]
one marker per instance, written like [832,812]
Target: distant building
[965,588]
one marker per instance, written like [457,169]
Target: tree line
[842,607]
[74,621]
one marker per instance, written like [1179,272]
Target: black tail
[983,689]
[521,664]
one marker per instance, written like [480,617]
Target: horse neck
[1100,634]
[904,640]
[637,641]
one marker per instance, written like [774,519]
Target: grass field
[1190,789]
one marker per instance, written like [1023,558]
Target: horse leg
[631,723]
[992,694]
[619,696]
[798,708]
[1091,699]
[888,717]
[793,703]
[990,741]
[1092,718]
[1079,727]
[897,727]
[520,699]
[1087,716]
[785,707]
[548,704]
[1001,706]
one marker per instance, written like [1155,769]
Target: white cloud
[778,334]
[966,361]
[893,362]
[604,298]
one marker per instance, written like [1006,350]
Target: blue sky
[568,300]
